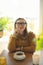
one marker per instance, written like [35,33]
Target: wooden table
[11,61]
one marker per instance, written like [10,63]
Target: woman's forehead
[21,21]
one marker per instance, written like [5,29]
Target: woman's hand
[17,31]
[20,48]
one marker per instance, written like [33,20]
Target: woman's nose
[20,25]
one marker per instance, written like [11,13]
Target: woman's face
[20,25]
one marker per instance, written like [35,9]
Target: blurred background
[31,10]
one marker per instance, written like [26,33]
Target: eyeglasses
[21,23]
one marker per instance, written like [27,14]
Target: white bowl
[19,55]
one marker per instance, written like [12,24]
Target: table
[11,61]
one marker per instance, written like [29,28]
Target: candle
[35,59]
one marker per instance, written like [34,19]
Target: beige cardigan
[28,44]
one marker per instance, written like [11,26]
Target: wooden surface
[11,61]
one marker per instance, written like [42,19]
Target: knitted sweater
[28,43]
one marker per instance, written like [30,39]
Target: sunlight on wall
[33,25]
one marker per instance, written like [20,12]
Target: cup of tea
[19,55]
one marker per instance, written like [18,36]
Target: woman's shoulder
[13,36]
[31,34]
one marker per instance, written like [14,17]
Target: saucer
[19,55]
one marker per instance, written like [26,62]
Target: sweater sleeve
[12,44]
[32,41]
[30,48]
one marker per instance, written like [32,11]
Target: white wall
[19,8]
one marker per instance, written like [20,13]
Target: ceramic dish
[19,55]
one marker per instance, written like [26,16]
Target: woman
[21,39]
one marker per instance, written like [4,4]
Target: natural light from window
[28,9]
[13,9]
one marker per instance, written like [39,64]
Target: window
[28,9]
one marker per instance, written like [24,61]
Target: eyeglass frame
[21,23]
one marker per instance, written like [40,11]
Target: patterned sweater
[27,43]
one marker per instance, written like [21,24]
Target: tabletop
[11,61]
